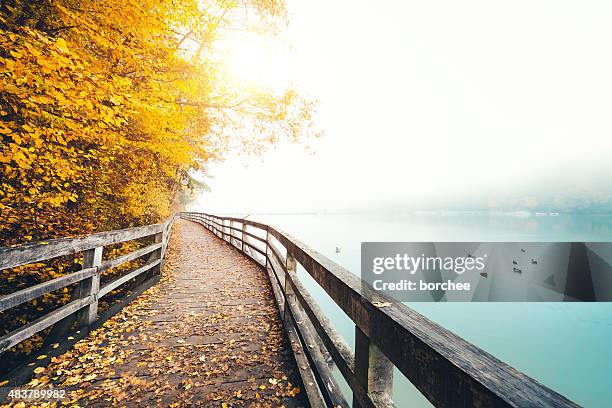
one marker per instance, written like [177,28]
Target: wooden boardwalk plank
[208,333]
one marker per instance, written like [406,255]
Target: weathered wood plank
[166,239]
[281,278]
[244,242]
[11,257]
[276,252]
[27,294]
[308,379]
[243,236]
[334,342]
[157,254]
[120,281]
[459,373]
[373,372]
[328,385]
[260,251]
[15,337]
[91,286]
[249,252]
[129,257]
[252,223]
[336,346]
[263,240]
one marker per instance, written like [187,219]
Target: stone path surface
[208,334]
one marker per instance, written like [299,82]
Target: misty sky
[440,104]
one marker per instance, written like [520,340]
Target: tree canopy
[106,108]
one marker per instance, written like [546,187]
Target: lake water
[566,346]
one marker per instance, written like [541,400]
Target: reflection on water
[565,346]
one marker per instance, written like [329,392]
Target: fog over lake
[462,121]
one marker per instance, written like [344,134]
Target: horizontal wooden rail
[87,294]
[449,371]
[241,240]
[27,294]
[15,337]
[11,257]
[120,281]
[129,257]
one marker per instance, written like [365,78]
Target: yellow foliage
[104,111]
[106,107]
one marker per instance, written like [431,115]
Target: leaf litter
[208,334]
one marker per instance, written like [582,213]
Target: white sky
[433,102]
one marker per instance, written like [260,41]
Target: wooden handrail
[445,368]
[87,294]
[11,257]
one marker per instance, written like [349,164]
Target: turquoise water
[565,346]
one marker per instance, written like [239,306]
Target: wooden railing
[85,303]
[449,371]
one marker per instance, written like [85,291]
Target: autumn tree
[106,108]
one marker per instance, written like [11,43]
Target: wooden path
[208,334]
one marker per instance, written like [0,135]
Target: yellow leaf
[293,392]
[42,99]
[39,370]
[41,357]
[61,44]
[33,50]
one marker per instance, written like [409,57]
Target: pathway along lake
[565,346]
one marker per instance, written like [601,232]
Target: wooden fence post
[244,235]
[291,266]
[90,286]
[165,239]
[157,254]
[233,235]
[373,370]
[267,246]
